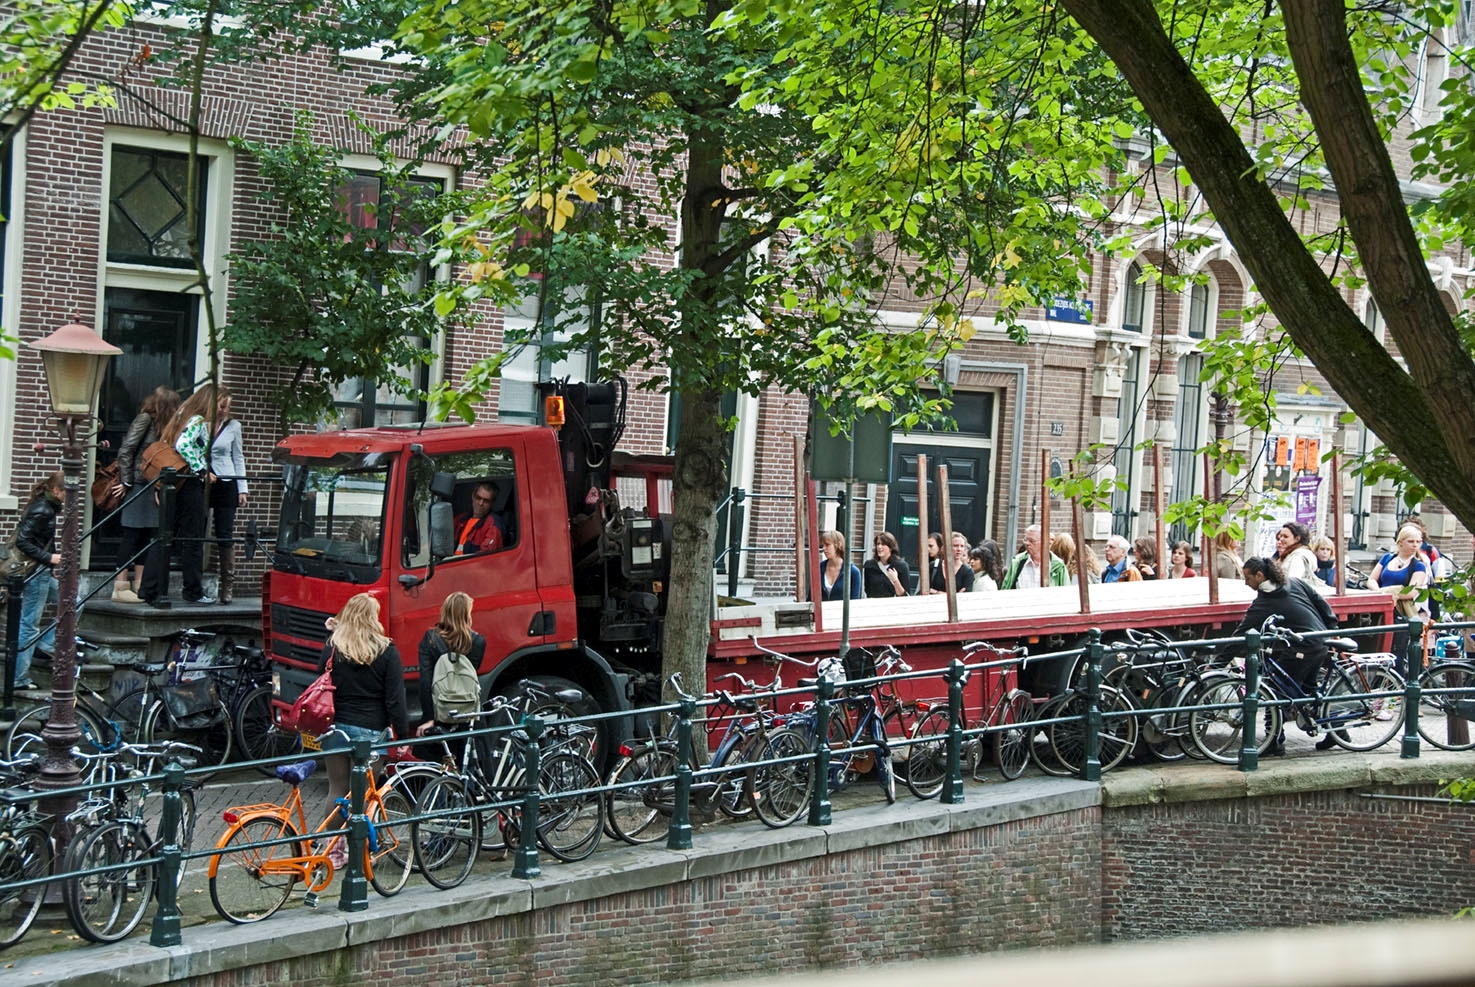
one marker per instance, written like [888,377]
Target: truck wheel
[583,706]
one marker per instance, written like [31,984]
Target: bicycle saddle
[1343,644]
[568,696]
[143,668]
[296,774]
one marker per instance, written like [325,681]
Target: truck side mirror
[442,529]
[443,486]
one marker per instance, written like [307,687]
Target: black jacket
[1300,607]
[876,583]
[142,433]
[35,536]
[370,696]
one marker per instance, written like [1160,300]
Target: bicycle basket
[192,698]
[860,664]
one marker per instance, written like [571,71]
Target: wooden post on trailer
[1164,566]
[924,574]
[801,537]
[1078,526]
[1044,517]
[1339,547]
[811,543]
[1211,550]
[945,506]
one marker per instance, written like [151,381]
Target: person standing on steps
[189,433]
[140,517]
[228,492]
[35,538]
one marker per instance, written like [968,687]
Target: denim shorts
[343,735]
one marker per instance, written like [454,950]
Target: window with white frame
[362,402]
[534,359]
[1134,306]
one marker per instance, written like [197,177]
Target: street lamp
[75,359]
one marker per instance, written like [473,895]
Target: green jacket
[1058,575]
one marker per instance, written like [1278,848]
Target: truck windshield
[333,518]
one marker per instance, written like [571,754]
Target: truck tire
[583,706]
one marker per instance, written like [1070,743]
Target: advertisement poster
[1292,475]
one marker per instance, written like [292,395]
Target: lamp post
[75,359]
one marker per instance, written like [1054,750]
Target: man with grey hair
[1117,569]
[1024,571]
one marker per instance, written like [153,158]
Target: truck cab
[387,511]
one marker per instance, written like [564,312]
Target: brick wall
[1298,858]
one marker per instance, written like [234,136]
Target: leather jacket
[35,536]
[141,434]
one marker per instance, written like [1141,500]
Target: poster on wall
[1291,481]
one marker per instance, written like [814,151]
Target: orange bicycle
[267,849]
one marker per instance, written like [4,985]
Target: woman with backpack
[450,654]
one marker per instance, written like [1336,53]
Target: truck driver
[479,531]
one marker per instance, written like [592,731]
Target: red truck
[575,594]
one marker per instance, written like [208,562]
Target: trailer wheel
[583,706]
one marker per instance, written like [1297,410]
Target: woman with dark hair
[886,573]
[1144,551]
[35,538]
[1293,551]
[451,634]
[189,432]
[993,560]
[1299,607]
[141,514]
[978,562]
[1180,566]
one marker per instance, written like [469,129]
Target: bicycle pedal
[310,899]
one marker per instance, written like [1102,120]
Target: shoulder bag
[106,496]
[160,456]
[313,710]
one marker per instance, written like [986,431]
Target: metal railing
[1091,721]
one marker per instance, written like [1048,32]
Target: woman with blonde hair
[1063,547]
[368,693]
[1227,562]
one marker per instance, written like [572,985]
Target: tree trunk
[702,448]
[1411,422]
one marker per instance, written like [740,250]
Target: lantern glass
[74,380]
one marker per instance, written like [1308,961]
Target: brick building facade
[1116,368]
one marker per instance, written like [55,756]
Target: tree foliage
[329,296]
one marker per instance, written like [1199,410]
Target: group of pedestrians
[202,432]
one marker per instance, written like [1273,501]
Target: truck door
[496,562]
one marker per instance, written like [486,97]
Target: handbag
[17,563]
[313,710]
[160,456]
[1406,607]
[107,496]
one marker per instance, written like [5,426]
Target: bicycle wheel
[927,762]
[152,814]
[1360,724]
[1011,746]
[1041,749]
[242,886]
[390,856]
[1116,739]
[780,792]
[732,783]
[642,812]
[210,733]
[446,844]
[129,713]
[257,732]
[1444,720]
[1218,734]
[107,906]
[23,857]
[570,817]
[25,734]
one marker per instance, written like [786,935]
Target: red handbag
[313,710]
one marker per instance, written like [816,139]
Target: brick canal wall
[1040,862]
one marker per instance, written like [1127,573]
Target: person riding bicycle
[1297,606]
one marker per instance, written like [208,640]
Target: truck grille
[294,622]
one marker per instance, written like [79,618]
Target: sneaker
[205,600]
[27,684]
[1328,742]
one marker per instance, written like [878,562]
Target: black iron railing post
[1412,692]
[1091,764]
[678,835]
[354,895]
[819,793]
[525,860]
[952,786]
[166,924]
[1249,749]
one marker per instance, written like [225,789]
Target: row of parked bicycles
[507,781]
